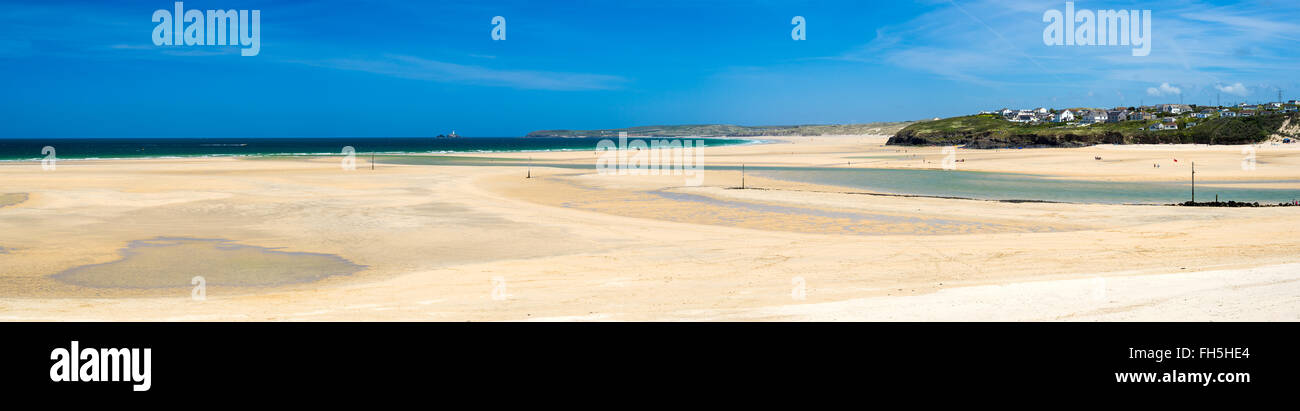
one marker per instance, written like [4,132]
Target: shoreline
[737,141]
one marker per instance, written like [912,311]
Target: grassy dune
[989,131]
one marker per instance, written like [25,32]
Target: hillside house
[1116,116]
[1064,117]
[1097,116]
[1174,108]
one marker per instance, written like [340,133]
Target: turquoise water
[957,184]
[939,183]
[1003,186]
[83,148]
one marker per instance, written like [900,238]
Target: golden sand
[477,243]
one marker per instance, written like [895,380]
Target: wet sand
[481,242]
[176,262]
[8,199]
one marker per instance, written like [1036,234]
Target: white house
[1228,114]
[1025,117]
[1064,116]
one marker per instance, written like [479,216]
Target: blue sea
[109,148]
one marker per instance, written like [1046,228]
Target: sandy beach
[118,240]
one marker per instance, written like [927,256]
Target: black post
[742,176]
[1193,182]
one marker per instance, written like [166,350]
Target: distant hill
[727,130]
[991,131]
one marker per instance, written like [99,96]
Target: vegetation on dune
[727,130]
[991,131]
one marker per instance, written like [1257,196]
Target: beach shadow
[8,199]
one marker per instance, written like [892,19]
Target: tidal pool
[173,262]
[1012,187]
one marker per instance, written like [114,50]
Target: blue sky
[418,68]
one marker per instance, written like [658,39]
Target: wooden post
[742,176]
[1193,182]
[530,167]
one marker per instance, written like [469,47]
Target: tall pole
[530,167]
[1193,183]
[742,176]
[372,161]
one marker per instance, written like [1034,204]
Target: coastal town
[1160,117]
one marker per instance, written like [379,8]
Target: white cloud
[416,68]
[998,43]
[1164,90]
[1235,89]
